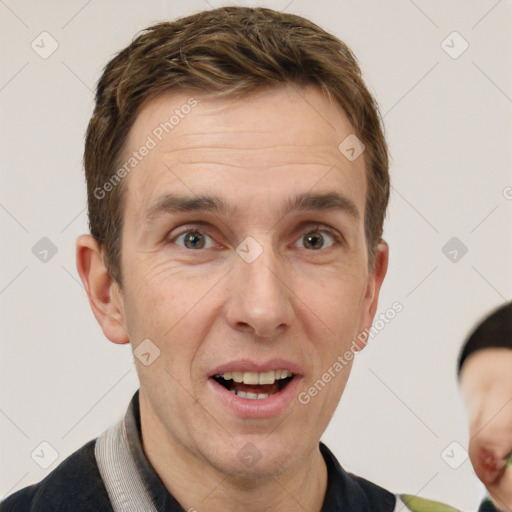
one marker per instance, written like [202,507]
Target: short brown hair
[228,51]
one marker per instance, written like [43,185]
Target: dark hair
[494,331]
[231,51]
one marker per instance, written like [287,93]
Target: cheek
[325,390]
[170,306]
[164,290]
[335,299]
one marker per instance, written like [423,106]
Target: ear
[371,299]
[104,295]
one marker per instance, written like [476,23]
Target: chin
[259,457]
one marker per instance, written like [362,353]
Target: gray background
[448,122]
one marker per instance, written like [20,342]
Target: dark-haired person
[237,179]
[485,373]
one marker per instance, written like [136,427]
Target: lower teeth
[252,396]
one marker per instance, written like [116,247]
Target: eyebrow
[172,204]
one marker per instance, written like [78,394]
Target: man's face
[254,287]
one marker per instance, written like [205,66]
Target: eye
[316,240]
[194,239]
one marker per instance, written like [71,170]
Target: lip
[262,408]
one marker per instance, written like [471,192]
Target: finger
[485,464]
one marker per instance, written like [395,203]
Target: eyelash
[338,239]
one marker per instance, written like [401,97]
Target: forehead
[256,148]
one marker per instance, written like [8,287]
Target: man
[485,373]
[237,181]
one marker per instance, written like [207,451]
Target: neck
[197,485]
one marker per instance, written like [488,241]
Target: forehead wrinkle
[262,156]
[294,151]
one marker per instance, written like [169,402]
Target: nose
[259,301]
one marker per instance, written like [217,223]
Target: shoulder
[347,491]
[75,484]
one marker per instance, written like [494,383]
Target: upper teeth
[257,377]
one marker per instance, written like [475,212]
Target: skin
[486,385]
[207,307]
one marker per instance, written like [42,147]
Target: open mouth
[255,385]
